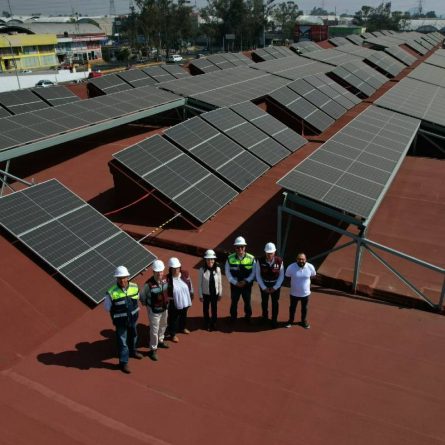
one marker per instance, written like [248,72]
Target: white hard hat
[121,272]
[240,241]
[174,262]
[270,248]
[209,254]
[157,266]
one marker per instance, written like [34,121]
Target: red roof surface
[366,372]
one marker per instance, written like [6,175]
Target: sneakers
[305,324]
[124,368]
[163,345]
[137,355]
[186,331]
[175,339]
[153,355]
[289,324]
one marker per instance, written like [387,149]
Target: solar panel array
[361,76]
[177,176]
[386,63]
[359,51]
[56,95]
[272,53]
[292,68]
[269,125]
[109,84]
[216,151]
[330,56]
[429,74]
[21,101]
[52,121]
[226,87]
[305,47]
[416,98]
[303,109]
[318,98]
[220,61]
[352,170]
[355,39]
[70,236]
[247,135]
[401,55]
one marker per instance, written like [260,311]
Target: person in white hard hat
[300,274]
[240,271]
[121,300]
[155,297]
[180,291]
[270,276]
[210,288]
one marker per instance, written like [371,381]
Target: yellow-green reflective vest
[240,269]
[124,303]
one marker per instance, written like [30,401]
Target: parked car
[174,58]
[44,83]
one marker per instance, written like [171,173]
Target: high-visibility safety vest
[124,303]
[241,269]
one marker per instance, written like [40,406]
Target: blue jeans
[126,336]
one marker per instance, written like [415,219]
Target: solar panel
[158,74]
[21,101]
[177,176]
[330,56]
[355,39]
[386,63]
[332,89]
[4,112]
[317,98]
[305,46]
[354,81]
[220,61]
[262,55]
[109,84]
[430,74]
[366,73]
[136,78]
[416,47]
[203,65]
[216,151]
[51,121]
[354,168]
[70,236]
[401,55]
[416,98]
[339,41]
[56,95]
[247,135]
[359,51]
[300,107]
[436,60]
[175,70]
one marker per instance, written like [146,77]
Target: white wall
[9,82]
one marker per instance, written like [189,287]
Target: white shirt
[260,281]
[300,279]
[181,294]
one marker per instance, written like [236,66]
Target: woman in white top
[180,290]
[210,288]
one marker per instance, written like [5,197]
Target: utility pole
[112,9]
[420,7]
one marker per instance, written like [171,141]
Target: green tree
[286,14]
[318,11]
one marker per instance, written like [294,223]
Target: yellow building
[27,51]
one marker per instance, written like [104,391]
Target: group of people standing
[168,296]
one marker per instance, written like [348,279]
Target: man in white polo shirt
[300,274]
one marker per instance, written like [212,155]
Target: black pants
[177,319]
[210,302]
[235,294]
[275,296]
[293,307]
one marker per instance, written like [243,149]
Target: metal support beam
[401,277]
[334,249]
[357,263]
[5,177]
[442,150]
[442,295]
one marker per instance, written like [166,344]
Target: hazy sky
[101,7]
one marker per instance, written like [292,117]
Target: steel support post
[5,177]
[358,263]
[442,296]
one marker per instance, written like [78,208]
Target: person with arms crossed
[240,271]
[270,276]
[121,300]
[155,297]
[300,274]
